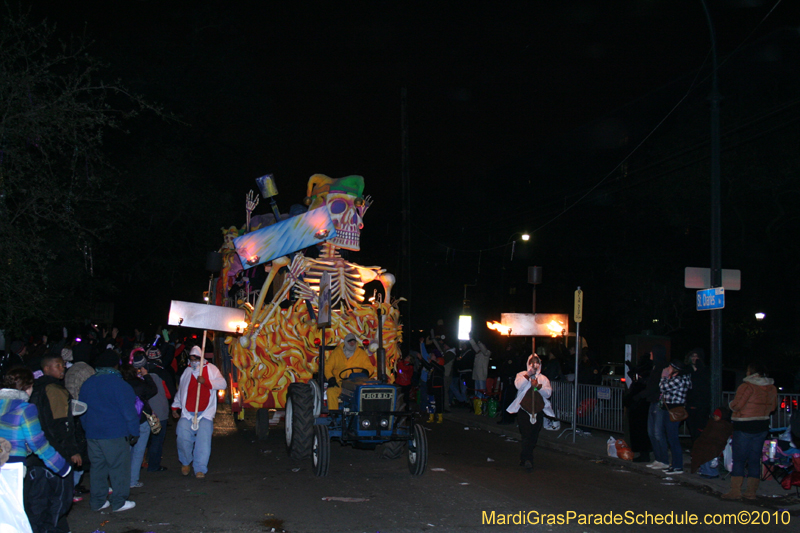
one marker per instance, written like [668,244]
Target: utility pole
[406,215]
[716,232]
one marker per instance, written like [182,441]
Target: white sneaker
[105,505]
[657,465]
[128,505]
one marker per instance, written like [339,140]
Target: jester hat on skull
[344,200]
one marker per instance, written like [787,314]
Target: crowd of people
[97,403]
[664,394]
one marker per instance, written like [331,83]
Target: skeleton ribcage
[346,284]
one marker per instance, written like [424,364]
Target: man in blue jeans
[675,383]
[111,424]
[196,392]
[655,416]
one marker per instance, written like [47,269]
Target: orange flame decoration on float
[554,327]
[500,328]
[277,345]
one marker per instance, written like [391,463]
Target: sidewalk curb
[549,440]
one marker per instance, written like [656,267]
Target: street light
[524,236]
[760,316]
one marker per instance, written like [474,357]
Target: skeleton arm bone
[276,265]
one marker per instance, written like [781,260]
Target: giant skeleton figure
[277,347]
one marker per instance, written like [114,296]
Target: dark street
[253,486]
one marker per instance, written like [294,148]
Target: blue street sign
[709,299]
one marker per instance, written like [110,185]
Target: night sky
[515,111]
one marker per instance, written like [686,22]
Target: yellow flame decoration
[284,350]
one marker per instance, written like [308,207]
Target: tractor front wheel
[418,451]
[321,451]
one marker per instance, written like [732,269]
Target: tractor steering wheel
[352,370]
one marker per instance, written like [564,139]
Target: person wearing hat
[196,397]
[157,365]
[531,420]
[348,355]
[74,378]
[145,389]
[708,447]
[160,406]
[111,424]
[675,383]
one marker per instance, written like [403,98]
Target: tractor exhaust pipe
[381,355]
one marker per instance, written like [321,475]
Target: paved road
[253,486]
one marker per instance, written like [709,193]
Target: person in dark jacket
[637,409]
[160,405]
[655,415]
[85,349]
[512,363]
[463,366]
[435,367]
[112,425]
[698,399]
[588,369]
[19,425]
[145,388]
[14,357]
[48,497]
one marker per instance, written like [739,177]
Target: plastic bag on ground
[612,447]
[727,455]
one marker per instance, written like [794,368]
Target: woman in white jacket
[530,424]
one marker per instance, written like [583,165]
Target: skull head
[347,212]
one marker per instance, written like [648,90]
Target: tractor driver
[348,355]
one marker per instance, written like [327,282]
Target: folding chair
[784,467]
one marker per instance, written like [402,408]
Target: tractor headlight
[365,423]
[384,423]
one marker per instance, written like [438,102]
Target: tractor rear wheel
[299,420]
[393,449]
[418,451]
[321,451]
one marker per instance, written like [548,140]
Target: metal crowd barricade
[599,407]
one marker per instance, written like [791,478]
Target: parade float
[280,338]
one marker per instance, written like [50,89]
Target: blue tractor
[371,412]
